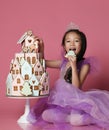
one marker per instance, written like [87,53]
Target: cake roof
[29,42]
[24,36]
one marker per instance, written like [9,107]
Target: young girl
[67,102]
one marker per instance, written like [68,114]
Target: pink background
[49,19]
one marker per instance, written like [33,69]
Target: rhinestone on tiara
[72,26]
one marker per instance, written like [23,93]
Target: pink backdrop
[49,19]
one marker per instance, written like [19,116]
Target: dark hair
[83,41]
[80,56]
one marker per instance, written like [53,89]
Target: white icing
[70,53]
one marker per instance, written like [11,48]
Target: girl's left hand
[72,60]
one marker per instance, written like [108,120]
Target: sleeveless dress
[66,99]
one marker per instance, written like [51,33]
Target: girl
[67,102]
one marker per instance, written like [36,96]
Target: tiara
[72,26]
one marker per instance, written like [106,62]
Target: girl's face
[72,42]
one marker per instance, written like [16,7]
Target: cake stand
[23,118]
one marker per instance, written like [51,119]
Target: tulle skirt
[67,99]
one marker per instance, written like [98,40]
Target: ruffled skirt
[68,99]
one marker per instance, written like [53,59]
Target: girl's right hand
[41,47]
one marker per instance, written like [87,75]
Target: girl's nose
[72,43]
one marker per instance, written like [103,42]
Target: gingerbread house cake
[28,75]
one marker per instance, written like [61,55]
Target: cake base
[23,118]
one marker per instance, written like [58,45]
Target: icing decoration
[26,89]
[70,53]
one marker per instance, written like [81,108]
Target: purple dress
[66,99]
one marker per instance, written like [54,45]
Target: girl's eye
[68,41]
[76,40]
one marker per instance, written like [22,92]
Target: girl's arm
[78,78]
[49,63]
[53,63]
[84,72]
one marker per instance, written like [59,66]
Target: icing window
[43,89]
[36,73]
[40,73]
[17,59]
[18,81]
[47,87]
[15,88]
[33,60]
[28,59]
[8,91]
[45,80]
[21,87]
[36,87]
[13,71]
[26,77]
[17,71]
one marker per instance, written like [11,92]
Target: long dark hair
[80,56]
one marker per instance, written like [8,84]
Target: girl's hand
[41,47]
[72,60]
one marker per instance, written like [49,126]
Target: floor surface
[9,122]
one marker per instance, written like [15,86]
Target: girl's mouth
[72,49]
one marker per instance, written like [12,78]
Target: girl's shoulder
[92,61]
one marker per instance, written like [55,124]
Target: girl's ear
[64,49]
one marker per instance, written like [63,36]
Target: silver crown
[72,26]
